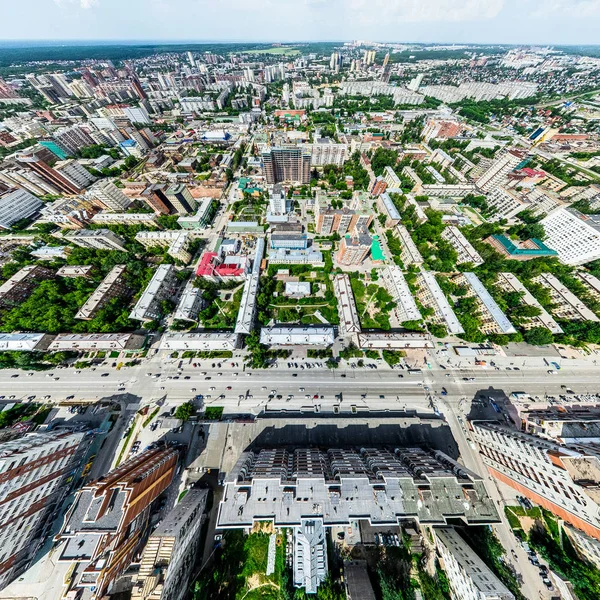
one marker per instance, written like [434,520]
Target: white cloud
[415,11]
[567,8]
[84,4]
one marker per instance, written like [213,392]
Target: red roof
[206,266]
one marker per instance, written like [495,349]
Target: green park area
[373,303]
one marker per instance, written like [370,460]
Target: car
[104,375]
[207,378]
[47,397]
[301,389]
[13,376]
[315,396]
[465,379]
[296,375]
[56,378]
[552,372]
[212,388]
[31,397]
[547,583]
[29,374]
[228,387]
[187,377]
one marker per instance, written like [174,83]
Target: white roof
[297,336]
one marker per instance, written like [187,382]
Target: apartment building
[566,304]
[493,320]
[496,174]
[509,283]
[591,282]
[466,253]
[17,204]
[349,319]
[410,254]
[382,340]
[205,341]
[73,139]
[35,469]
[505,203]
[388,208]
[354,249]
[178,242]
[43,171]
[106,523]
[468,576]
[126,218]
[286,164]
[344,220]
[325,152]
[154,196]
[406,307]
[18,288]
[575,236]
[297,336]
[205,212]
[172,550]
[84,342]
[109,195]
[112,286]
[162,286]
[190,303]
[97,239]
[181,199]
[430,295]
[76,172]
[563,479]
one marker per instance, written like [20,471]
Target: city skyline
[561,22]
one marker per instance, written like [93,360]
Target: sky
[462,21]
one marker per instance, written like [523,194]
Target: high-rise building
[497,172]
[575,236]
[73,139]
[154,196]
[286,164]
[354,248]
[277,201]
[563,479]
[106,523]
[191,59]
[42,169]
[17,204]
[34,473]
[170,555]
[181,199]
[109,195]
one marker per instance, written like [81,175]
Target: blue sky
[478,21]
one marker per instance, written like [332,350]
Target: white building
[17,204]
[410,253]
[111,286]
[509,283]
[162,286]
[393,341]
[406,307]
[85,342]
[505,203]
[566,304]
[466,252]
[575,236]
[349,320]
[107,193]
[324,152]
[245,319]
[496,173]
[190,303]
[297,336]
[202,341]
[468,576]
[432,296]
[24,342]
[98,239]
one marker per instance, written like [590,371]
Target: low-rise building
[406,307]
[566,304]
[51,253]
[388,208]
[190,303]
[509,283]
[24,342]
[349,320]
[381,340]
[493,320]
[520,250]
[591,282]
[112,286]
[108,195]
[84,342]
[283,256]
[430,295]
[96,239]
[201,341]
[203,218]
[468,576]
[16,205]
[162,286]
[466,252]
[74,271]
[18,288]
[109,218]
[247,313]
[178,242]
[297,336]
[410,254]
